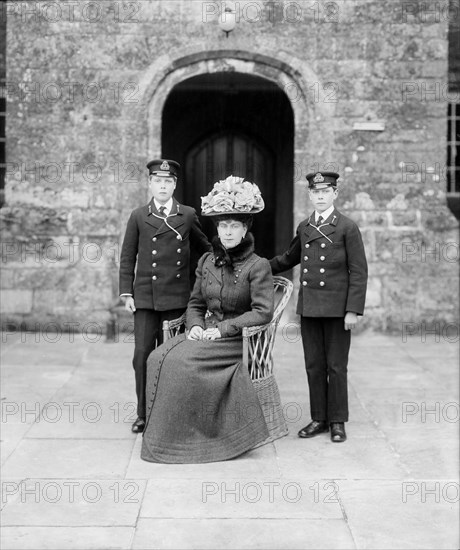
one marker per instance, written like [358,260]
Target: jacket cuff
[226,329]
[353,308]
[197,321]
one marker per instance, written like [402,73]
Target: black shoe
[138,426]
[338,434]
[314,428]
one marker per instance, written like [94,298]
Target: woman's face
[231,232]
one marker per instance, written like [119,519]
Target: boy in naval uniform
[333,282]
[159,237]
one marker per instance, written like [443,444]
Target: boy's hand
[129,304]
[350,320]
[195,333]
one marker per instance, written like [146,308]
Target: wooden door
[222,155]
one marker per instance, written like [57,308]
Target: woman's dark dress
[201,405]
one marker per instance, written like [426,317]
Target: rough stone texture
[84,104]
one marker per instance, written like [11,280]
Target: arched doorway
[233,123]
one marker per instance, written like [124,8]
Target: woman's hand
[129,304]
[211,334]
[195,333]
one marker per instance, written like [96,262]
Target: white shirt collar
[324,214]
[168,206]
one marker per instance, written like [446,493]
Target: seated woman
[201,404]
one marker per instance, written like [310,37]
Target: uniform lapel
[150,218]
[175,218]
[332,222]
[309,229]
[327,228]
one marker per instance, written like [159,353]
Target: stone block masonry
[86,85]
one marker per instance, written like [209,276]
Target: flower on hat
[221,202]
[232,194]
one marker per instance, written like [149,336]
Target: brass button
[304,283]
[322,270]
[305,270]
[154,277]
[154,264]
[322,283]
[179,250]
[154,251]
[235,282]
[322,258]
[178,237]
[307,246]
[154,239]
[323,245]
[305,257]
[178,276]
[178,263]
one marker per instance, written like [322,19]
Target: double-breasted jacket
[162,249]
[333,266]
[231,297]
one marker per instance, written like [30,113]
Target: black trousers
[326,344]
[148,335]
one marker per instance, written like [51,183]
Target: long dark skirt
[201,405]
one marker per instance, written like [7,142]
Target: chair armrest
[172,328]
[250,331]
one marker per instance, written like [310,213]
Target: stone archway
[293,83]
[293,76]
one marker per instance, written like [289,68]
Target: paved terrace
[72,476]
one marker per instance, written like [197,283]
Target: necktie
[320,220]
[162,211]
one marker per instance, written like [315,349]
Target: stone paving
[72,476]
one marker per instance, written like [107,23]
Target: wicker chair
[258,345]
[258,342]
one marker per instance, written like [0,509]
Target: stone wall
[85,86]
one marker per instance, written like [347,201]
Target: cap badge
[164,165]
[318,178]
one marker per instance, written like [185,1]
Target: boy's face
[162,187]
[322,199]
